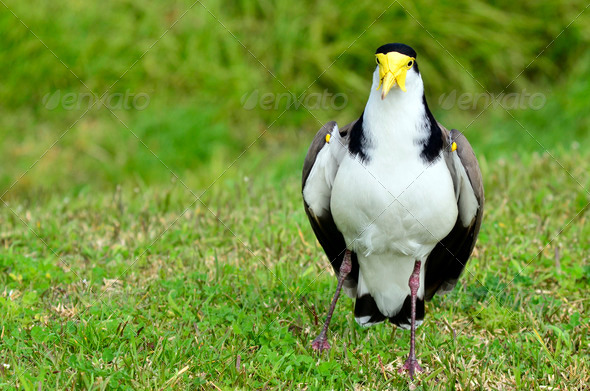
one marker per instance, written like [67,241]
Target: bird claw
[320,343]
[412,366]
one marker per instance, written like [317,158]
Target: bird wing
[446,262]
[319,171]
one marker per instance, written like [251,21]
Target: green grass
[114,276]
[240,277]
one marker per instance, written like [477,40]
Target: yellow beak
[393,68]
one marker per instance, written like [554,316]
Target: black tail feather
[366,306]
[403,317]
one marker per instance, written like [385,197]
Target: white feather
[318,187]
[466,199]
[364,321]
[406,326]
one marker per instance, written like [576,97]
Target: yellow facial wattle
[393,68]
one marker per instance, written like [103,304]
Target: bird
[395,200]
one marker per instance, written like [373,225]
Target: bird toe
[320,344]
[411,366]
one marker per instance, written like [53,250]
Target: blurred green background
[196,65]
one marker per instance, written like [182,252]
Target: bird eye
[410,63]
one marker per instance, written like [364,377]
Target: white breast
[400,209]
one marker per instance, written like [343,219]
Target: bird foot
[411,365]
[320,343]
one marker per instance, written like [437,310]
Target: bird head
[394,61]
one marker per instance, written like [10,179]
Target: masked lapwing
[395,200]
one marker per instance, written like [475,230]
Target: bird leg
[411,365]
[321,342]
